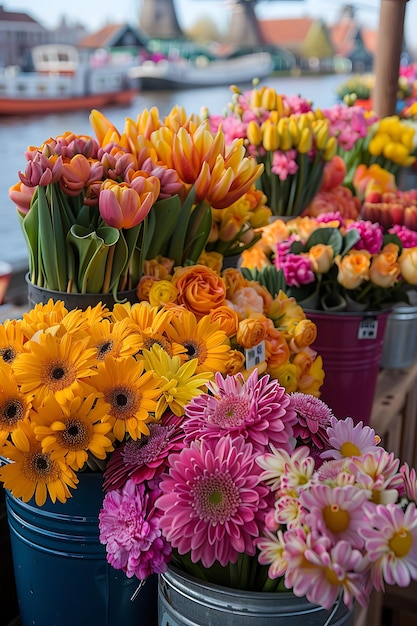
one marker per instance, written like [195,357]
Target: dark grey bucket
[187,601]
[400,341]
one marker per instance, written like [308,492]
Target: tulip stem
[109,265]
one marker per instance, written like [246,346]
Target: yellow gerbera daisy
[43,316]
[131,393]
[202,340]
[178,382]
[14,405]
[34,472]
[73,429]
[118,339]
[11,340]
[49,366]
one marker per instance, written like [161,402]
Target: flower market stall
[194,393]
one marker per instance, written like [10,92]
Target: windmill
[158,19]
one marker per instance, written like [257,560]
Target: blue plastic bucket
[62,575]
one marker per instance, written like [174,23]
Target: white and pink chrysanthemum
[336,512]
[143,459]
[130,527]
[212,500]
[313,419]
[257,409]
[271,552]
[378,472]
[349,439]
[410,482]
[391,542]
[297,468]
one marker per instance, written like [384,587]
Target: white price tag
[368,329]
[255,355]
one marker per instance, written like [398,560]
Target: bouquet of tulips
[288,137]
[93,209]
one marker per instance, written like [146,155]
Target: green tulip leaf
[92,248]
[47,244]
[167,213]
[198,232]
[30,229]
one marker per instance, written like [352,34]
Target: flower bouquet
[93,210]
[288,137]
[328,263]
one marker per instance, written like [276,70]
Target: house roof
[286,32]
[111,35]
[15,16]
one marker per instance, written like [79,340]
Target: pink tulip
[123,206]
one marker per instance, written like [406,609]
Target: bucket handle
[334,610]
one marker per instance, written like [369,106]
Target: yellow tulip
[285,140]
[254,133]
[306,141]
[270,137]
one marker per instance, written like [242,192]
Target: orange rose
[247,301]
[254,258]
[199,289]
[321,258]
[353,268]
[385,268]
[408,265]
[251,331]
[227,319]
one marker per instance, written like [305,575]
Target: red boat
[63,81]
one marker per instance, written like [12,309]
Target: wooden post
[387,56]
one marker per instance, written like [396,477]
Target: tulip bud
[284,133]
[330,149]
[294,131]
[254,133]
[270,139]
[321,131]
[269,98]
[306,141]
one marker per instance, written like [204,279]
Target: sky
[96,13]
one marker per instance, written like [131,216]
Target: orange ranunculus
[385,268]
[254,258]
[247,301]
[227,318]
[199,289]
[321,258]
[235,363]
[353,268]
[304,335]
[251,331]
[265,295]
[160,268]
[275,232]
[312,381]
[234,280]
[144,286]
[277,351]
[408,265]
[287,376]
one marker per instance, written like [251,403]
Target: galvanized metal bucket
[187,601]
[400,341]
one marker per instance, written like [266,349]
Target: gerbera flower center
[401,542]
[349,449]
[147,448]
[230,412]
[164,343]
[335,518]
[216,497]
[75,436]
[42,468]
[123,401]
[8,354]
[195,350]
[11,411]
[104,349]
[57,375]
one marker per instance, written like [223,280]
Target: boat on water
[63,80]
[183,74]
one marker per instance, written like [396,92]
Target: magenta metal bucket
[351,346]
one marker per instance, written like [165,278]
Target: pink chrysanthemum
[297,270]
[212,500]
[391,541]
[328,569]
[313,419]
[258,409]
[408,237]
[330,216]
[371,235]
[348,439]
[143,459]
[130,528]
[335,512]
